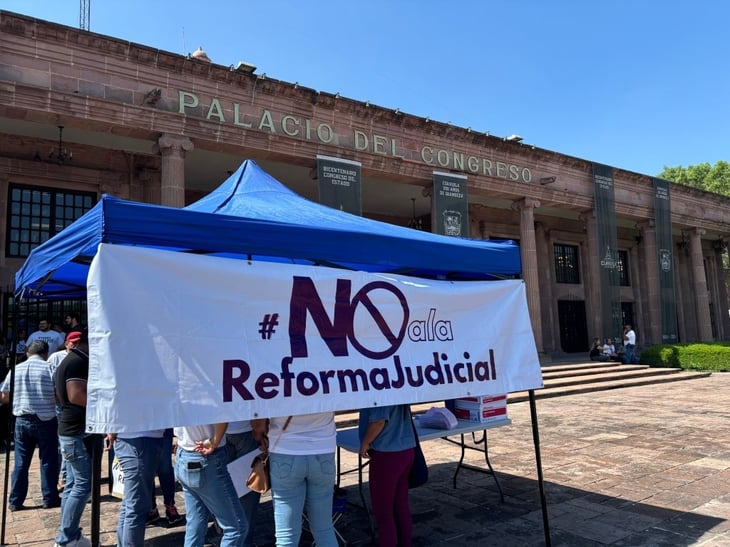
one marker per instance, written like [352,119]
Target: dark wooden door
[573,328]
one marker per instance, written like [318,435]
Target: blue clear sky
[635,84]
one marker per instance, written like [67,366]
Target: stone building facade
[83,114]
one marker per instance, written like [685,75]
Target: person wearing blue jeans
[166,474]
[240,440]
[201,467]
[70,379]
[29,432]
[302,469]
[55,359]
[77,491]
[35,425]
[138,454]
[629,345]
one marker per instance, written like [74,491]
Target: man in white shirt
[49,336]
[629,344]
[35,425]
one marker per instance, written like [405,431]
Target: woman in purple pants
[387,438]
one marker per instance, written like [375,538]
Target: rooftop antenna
[84,14]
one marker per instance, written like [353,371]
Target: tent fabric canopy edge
[58,268]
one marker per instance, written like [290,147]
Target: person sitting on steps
[596,353]
[609,350]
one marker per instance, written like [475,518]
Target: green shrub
[713,357]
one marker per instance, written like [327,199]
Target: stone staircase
[582,377]
[570,378]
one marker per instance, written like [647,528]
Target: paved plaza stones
[640,466]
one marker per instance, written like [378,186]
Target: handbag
[418,475]
[259,479]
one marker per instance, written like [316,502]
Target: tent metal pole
[7,426]
[538,463]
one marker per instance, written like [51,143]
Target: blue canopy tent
[250,217]
[58,267]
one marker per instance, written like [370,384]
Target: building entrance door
[573,328]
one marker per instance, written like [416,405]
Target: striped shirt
[34,392]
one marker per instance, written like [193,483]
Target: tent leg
[6,426]
[538,463]
[96,454]
[10,431]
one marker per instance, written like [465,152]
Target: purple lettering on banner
[379,379]
[418,380]
[458,367]
[353,376]
[400,379]
[286,375]
[231,382]
[265,384]
[324,377]
[395,340]
[305,377]
[288,383]
[481,371]
[304,298]
[434,375]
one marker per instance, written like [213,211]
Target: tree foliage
[712,178]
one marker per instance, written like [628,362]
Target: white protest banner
[182,339]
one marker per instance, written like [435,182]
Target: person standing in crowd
[387,438]
[138,455]
[302,469]
[71,377]
[72,340]
[51,337]
[166,475]
[73,323]
[55,359]
[19,347]
[35,425]
[201,467]
[242,439]
[629,344]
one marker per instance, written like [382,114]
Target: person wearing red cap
[72,340]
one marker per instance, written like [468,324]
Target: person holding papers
[241,439]
[387,438]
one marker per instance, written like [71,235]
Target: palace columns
[545,281]
[680,282]
[592,283]
[528,253]
[702,302]
[172,185]
[652,330]
[724,322]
